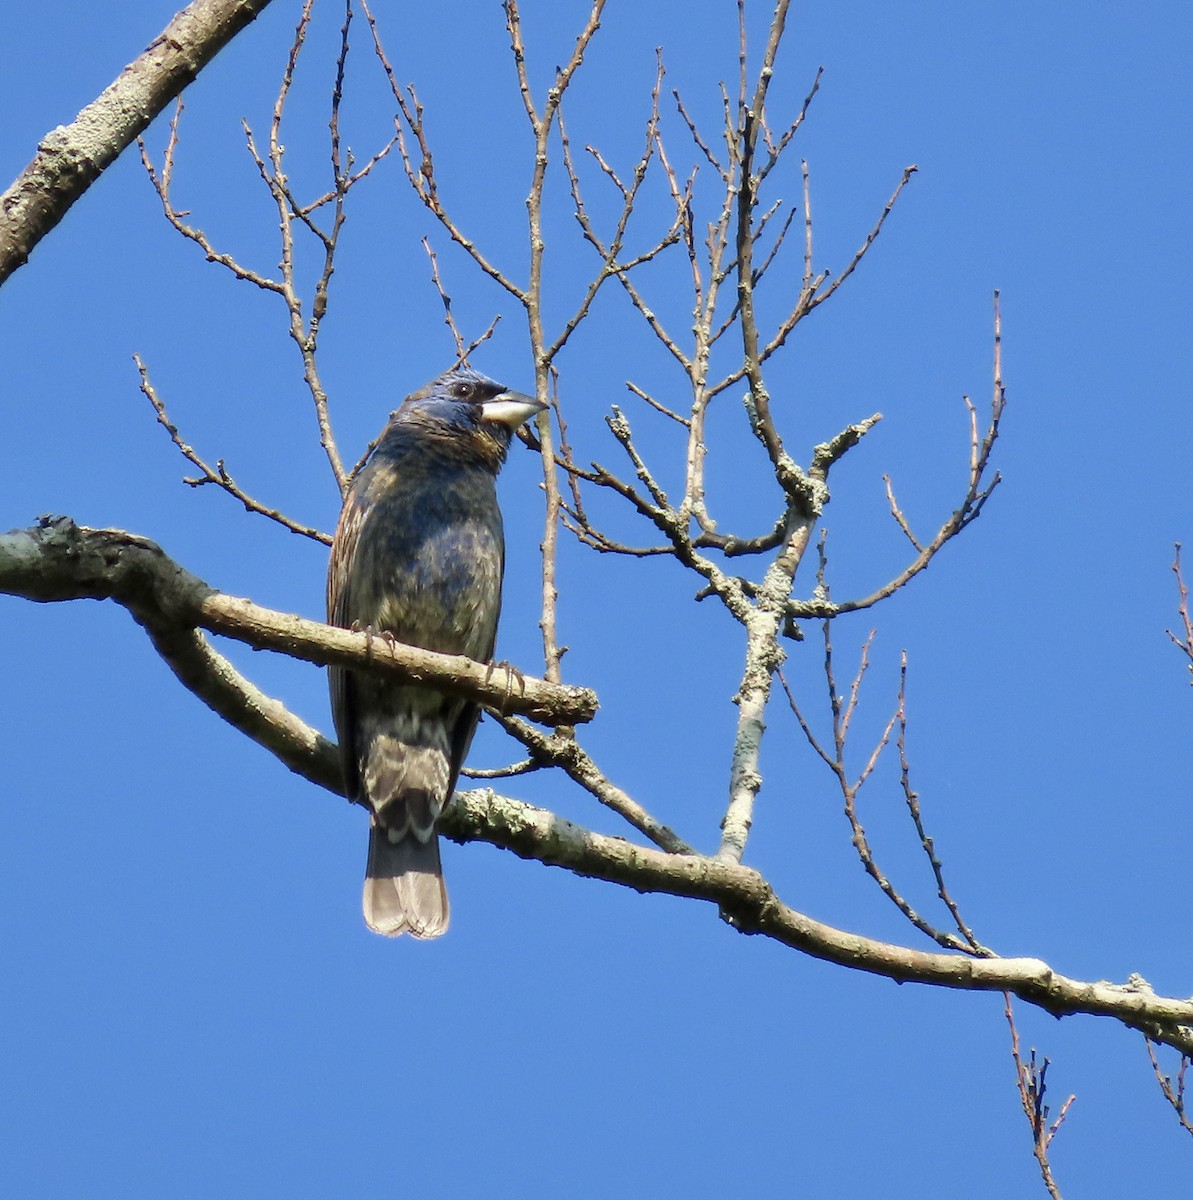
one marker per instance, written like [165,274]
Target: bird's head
[467,412]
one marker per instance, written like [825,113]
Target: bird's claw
[511,673]
[370,633]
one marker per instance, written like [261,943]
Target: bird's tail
[404,890]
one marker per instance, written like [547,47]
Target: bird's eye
[462,390]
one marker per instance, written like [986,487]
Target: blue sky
[191,1005]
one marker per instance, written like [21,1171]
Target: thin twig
[1184,642]
[218,475]
[642,394]
[526,767]
[563,751]
[836,762]
[1032,1082]
[978,491]
[897,513]
[419,163]
[1174,1093]
[912,799]
[448,319]
[612,264]
[776,148]
[161,184]
[303,330]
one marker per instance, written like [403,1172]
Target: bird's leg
[370,633]
[511,673]
[367,630]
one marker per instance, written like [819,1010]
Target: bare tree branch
[218,474]
[58,560]
[980,487]
[750,903]
[739,892]
[563,751]
[420,168]
[1032,1078]
[162,183]
[1173,1091]
[1185,640]
[213,679]
[71,157]
[303,327]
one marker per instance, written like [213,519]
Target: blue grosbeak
[419,555]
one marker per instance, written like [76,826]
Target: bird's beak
[511,409]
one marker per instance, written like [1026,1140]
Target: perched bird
[419,555]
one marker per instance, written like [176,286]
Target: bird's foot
[370,633]
[511,673]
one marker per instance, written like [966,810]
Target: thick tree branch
[764,626]
[71,157]
[750,903]
[58,560]
[204,671]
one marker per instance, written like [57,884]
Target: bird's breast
[429,563]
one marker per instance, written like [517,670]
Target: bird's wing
[461,738]
[339,612]
[464,726]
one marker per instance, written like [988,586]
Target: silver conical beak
[511,409]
